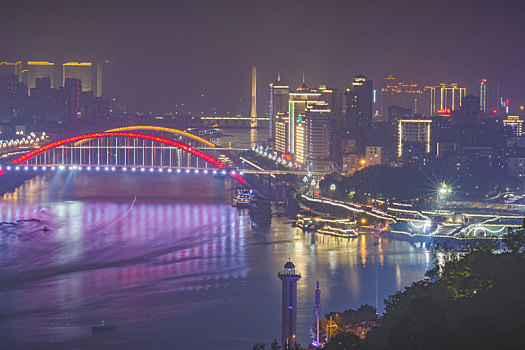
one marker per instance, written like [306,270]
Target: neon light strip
[157,128]
[185,147]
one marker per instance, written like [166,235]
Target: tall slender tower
[99,80]
[483,95]
[317,312]
[253,121]
[289,308]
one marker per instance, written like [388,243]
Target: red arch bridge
[122,151]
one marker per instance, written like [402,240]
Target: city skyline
[200,53]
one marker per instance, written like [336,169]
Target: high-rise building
[38,69]
[446,97]
[414,131]
[11,68]
[279,97]
[483,96]
[374,155]
[289,280]
[403,94]
[359,110]
[73,88]
[317,140]
[99,80]
[299,101]
[9,83]
[78,70]
[515,123]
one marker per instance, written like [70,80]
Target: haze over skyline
[164,53]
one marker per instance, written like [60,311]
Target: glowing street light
[332,187]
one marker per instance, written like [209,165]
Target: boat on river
[103,327]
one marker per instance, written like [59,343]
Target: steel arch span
[157,128]
[160,139]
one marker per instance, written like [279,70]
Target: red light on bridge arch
[185,147]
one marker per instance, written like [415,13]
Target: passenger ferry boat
[338,227]
[241,197]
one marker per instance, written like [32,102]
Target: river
[172,264]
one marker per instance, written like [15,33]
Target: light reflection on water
[177,266]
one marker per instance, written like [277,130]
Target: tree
[424,326]
[343,341]
[275,345]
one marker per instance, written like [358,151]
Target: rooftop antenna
[279,76]
[303,76]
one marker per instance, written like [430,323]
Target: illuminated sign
[444,111]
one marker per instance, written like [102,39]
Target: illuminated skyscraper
[515,123]
[446,97]
[289,280]
[359,110]
[11,68]
[317,136]
[279,97]
[38,69]
[483,95]
[414,131]
[403,94]
[298,103]
[78,70]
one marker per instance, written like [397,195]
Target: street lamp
[444,190]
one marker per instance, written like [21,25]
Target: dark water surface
[172,264]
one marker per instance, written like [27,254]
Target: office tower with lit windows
[289,280]
[446,97]
[38,69]
[403,94]
[317,138]
[359,110]
[78,70]
[374,155]
[299,101]
[483,96]
[412,132]
[279,97]
[515,123]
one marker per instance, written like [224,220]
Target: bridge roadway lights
[125,169]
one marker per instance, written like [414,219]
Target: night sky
[163,53]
